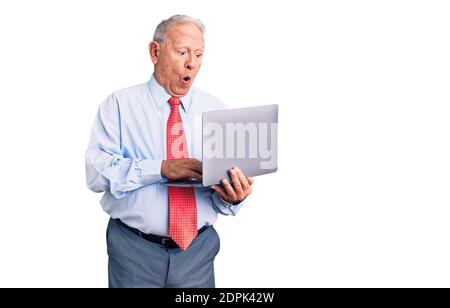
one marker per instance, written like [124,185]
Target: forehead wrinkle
[188,39]
[182,37]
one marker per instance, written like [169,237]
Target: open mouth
[187,78]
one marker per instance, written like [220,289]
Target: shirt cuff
[150,170]
[233,203]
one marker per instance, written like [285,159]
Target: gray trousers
[137,263]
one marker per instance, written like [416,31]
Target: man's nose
[190,65]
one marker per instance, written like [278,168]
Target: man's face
[178,59]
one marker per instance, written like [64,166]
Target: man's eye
[199,55]
[181,53]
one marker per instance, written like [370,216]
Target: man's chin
[182,91]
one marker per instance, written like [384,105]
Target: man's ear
[154,48]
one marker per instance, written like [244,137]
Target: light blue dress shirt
[127,146]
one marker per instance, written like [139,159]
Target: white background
[361,198]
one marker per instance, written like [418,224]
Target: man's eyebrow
[181,44]
[188,48]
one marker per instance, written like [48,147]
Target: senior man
[160,236]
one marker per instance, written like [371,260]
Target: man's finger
[195,165]
[250,180]
[195,175]
[236,182]
[198,169]
[244,183]
[230,191]
[220,191]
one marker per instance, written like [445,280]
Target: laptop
[243,137]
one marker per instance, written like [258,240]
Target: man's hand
[182,168]
[241,188]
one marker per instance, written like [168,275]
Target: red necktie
[182,205]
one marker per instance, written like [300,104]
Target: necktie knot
[174,101]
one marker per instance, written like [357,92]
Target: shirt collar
[161,97]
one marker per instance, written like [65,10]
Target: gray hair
[164,26]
